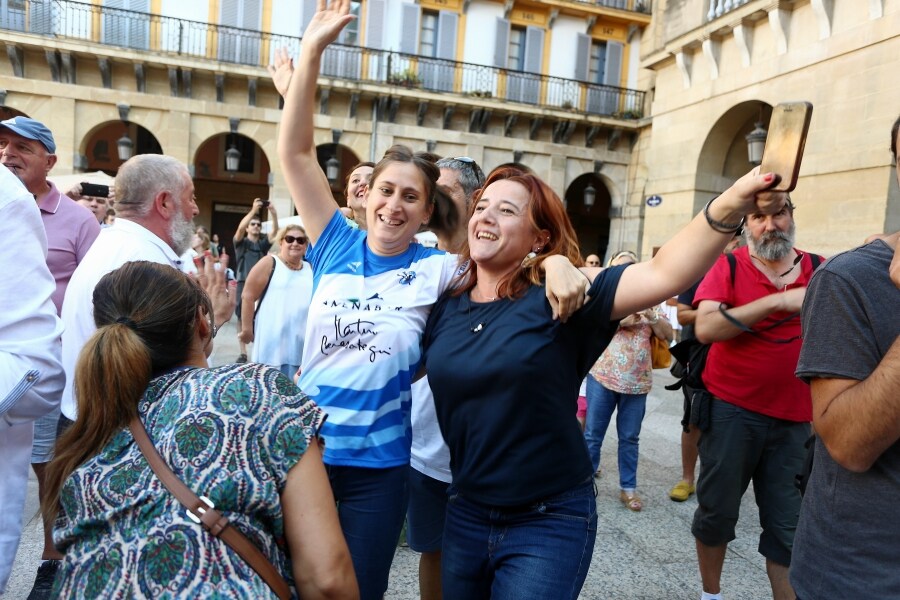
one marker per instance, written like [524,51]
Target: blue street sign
[654,200]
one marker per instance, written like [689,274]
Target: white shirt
[124,242]
[31,376]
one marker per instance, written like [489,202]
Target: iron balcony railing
[68,19]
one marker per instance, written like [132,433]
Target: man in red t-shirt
[759,412]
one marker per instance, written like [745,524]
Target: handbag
[200,509]
[659,353]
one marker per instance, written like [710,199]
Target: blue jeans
[371,506]
[631,407]
[538,551]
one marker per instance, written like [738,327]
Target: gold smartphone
[785,142]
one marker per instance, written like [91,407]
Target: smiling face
[356,188]
[396,206]
[500,231]
[28,160]
[294,250]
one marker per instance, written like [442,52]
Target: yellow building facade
[553,85]
[719,66]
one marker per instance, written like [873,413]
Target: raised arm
[688,255]
[273,231]
[241,232]
[296,147]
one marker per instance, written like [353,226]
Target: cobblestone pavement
[638,556]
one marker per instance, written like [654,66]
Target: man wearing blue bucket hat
[28,150]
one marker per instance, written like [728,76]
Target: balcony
[161,35]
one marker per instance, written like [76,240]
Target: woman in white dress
[279,290]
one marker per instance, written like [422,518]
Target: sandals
[631,501]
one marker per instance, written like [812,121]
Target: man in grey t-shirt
[848,538]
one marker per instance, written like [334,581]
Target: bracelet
[719,226]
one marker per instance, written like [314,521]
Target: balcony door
[240,22]
[521,50]
[436,47]
[126,23]
[599,62]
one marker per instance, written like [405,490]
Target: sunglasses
[465,159]
[255,223]
[289,239]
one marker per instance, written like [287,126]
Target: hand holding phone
[94,189]
[785,143]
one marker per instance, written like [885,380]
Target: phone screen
[785,142]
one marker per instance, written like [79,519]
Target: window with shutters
[605,70]
[597,62]
[525,53]
[515,59]
[126,23]
[344,59]
[239,35]
[437,49]
[12,14]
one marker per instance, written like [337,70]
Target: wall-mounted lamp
[756,142]
[517,156]
[233,155]
[124,145]
[2,97]
[430,145]
[333,164]
[590,195]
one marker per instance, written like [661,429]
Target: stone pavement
[638,556]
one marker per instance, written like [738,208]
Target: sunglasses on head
[465,159]
[290,239]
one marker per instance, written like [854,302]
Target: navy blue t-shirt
[505,378]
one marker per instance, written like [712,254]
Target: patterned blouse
[230,433]
[625,366]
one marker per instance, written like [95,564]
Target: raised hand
[281,71]
[326,24]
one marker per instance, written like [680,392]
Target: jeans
[601,404]
[371,506]
[538,551]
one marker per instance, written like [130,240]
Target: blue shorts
[426,512]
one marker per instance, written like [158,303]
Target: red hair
[545,212]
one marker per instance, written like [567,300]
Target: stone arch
[224,197]
[99,150]
[347,160]
[591,223]
[723,157]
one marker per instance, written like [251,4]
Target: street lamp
[756,143]
[332,170]
[233,155]
[590,194]
[124,145]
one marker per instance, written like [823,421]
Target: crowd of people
[381,381]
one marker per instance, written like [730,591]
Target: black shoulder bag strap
[265,289]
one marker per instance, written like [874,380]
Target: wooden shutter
[582,56]
[409,28]
[375,24]
[448,23]
[307,10]
[613,75]
[534,49]
[501,43]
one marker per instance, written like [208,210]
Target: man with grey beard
[155,208]
[756,413]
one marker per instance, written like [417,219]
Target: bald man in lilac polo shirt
[28,150]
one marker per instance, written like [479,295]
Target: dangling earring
[530,258]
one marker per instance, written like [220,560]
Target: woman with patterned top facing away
[242,435]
